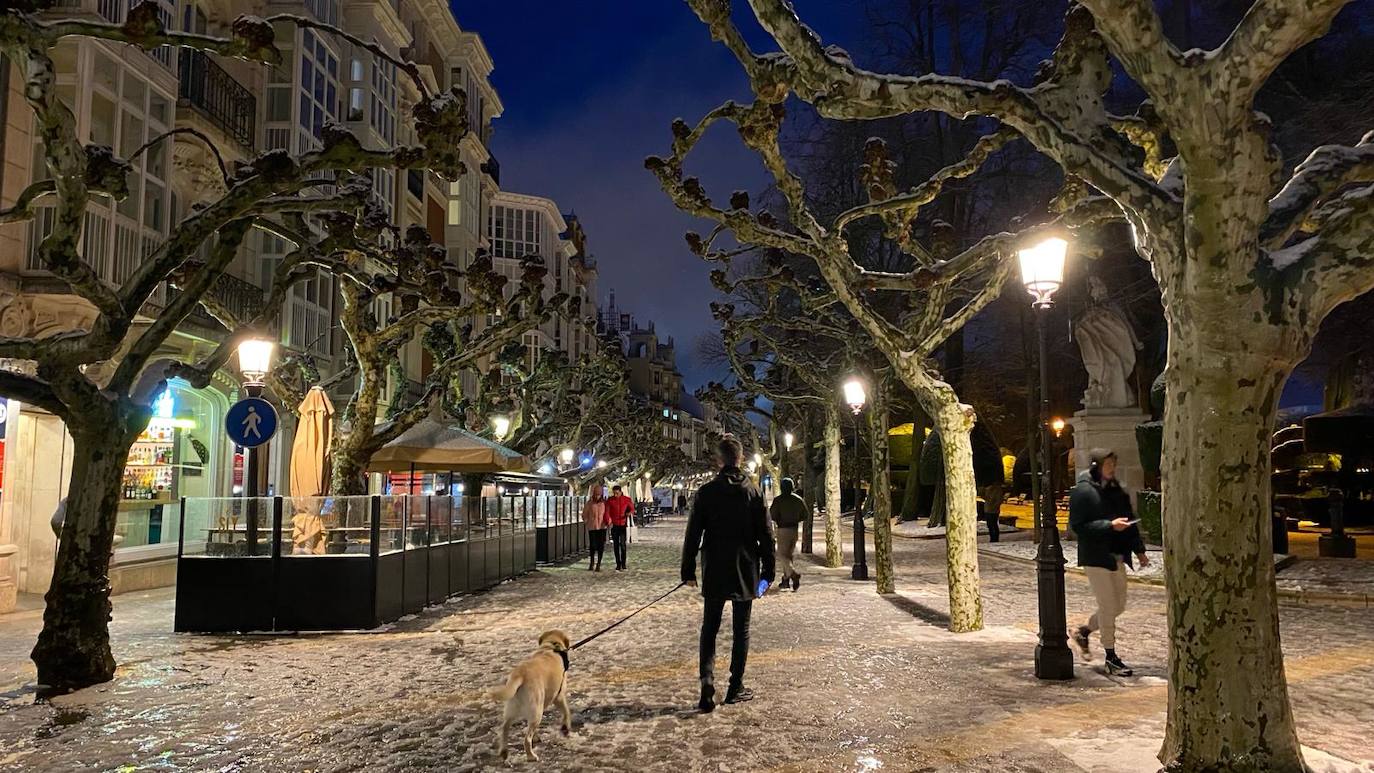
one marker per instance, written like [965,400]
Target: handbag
[633,530]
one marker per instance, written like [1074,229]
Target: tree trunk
[1222,397]
[834,550]
[808,483]
[961,518]
[881,491]
[73,649]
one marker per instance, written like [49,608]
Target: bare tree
[1248,264]
[101,381]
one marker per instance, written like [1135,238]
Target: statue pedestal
[1114,429]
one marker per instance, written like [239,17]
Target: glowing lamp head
[566,455]
[1042,269]
[787,439]
[1058,426]
[601,465]
[255,359]
[500,425]
[854,394]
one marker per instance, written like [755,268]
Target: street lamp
[500,425]
[601,465]
[1058,426]
[255,360]
[566,456]
[1042,273]
[855,396]
[787,440]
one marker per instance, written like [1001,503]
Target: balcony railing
[212,91]
[244,299]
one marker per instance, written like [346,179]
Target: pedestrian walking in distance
[1100,515]
[594,516]
[619,508]
[787,511]
[728,526]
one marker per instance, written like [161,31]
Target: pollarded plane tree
[802,341]
[1249,263]
[554,404]
[393,296]
[941,294]
[101,380]
[811,341]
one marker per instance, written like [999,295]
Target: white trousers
[1109,588]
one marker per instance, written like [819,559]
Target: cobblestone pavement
[846,680]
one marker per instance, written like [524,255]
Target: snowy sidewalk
[846,680]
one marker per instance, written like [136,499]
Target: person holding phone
[728,526]
[1100,515]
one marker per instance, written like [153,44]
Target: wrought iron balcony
[244,299]
[213,92]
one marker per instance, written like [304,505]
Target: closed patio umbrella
[310,471]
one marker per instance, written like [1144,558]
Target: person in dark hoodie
[729,527]
[1100,515]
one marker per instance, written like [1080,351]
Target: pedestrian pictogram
[251,422]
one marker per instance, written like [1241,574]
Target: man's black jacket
[729,527]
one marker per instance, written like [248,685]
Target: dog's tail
[507,691]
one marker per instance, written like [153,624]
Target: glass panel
[130,133]
[458,517]
[218,527]
[392,523]
[102,120]
[417,522]
[104,71]
[326,526]
[440,529]
[135,91]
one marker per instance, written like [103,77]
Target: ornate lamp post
[855,396]
[255,361]
[787,439]
[1042,272]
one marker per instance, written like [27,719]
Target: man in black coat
[729,527]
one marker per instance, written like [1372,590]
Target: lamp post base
[1053,662]
[860,570]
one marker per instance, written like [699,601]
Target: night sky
[590,88]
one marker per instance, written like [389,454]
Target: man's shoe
[796,582]
[1080,639]
[707,703]
[1117,668]
[738,694]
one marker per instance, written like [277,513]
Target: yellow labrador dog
[540,681]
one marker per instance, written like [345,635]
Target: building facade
[122,97]
[656,381]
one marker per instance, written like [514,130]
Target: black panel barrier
[350,563]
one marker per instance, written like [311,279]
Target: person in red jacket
[619,508]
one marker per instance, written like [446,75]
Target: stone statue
[1108,345]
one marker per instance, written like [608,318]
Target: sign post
[250,423]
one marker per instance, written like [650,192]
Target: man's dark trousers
[712,612]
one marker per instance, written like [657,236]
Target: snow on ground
[846,680]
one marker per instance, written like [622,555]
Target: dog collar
[564,654]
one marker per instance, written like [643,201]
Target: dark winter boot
[738,693]
[707,703]
[796,582]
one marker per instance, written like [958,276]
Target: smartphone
[1133,522]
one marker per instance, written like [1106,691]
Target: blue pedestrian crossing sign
[251,422]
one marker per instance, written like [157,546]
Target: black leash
[627,617]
